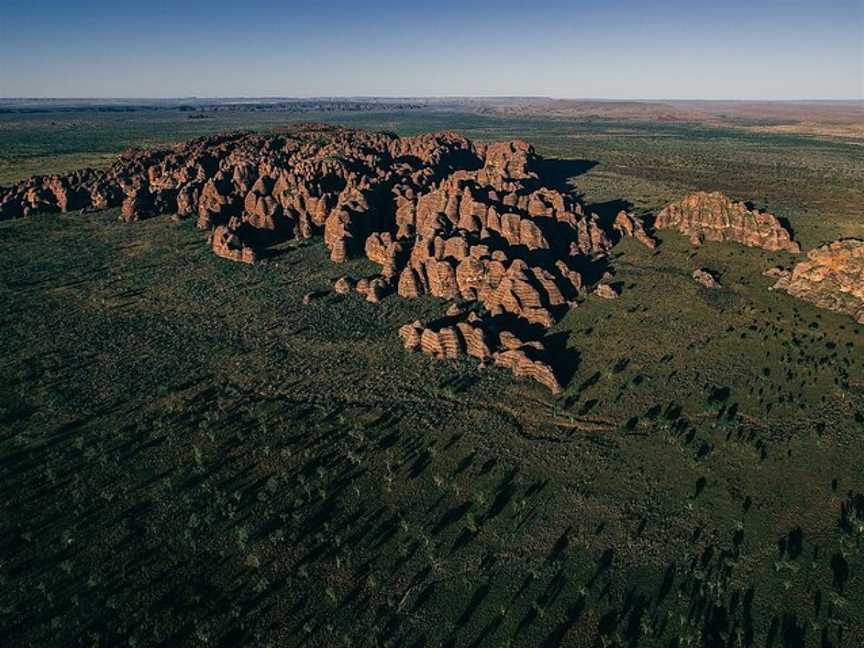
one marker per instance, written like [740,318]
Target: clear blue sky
[719,49]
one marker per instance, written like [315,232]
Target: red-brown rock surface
[630,225]
[831,277]
[344,285]
[227,244]
[521,363]
[606,291]
[713,217]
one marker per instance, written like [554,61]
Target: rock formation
[713,217]
[227,244]
[775,273]
[831,277]
[442,216]
[344,285]
[630,225]
[606,291]
[705,277]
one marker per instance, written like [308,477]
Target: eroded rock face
[713,217]
[831,277]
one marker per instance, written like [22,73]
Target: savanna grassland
[189,455]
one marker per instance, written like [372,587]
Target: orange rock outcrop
[707,216]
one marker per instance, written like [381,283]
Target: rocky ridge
[470,223]
[707,216]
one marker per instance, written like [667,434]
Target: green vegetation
[191,456]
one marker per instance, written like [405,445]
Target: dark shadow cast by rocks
[784,222]
[556,173]
[607,211]
[519,326]
[592,269]
[563,359]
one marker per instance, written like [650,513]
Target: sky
[616,49]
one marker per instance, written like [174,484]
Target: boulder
[606,291]
[343,285]
[705,277]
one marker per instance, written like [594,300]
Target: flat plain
[198,458]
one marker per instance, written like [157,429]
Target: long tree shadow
[479,596]
[556,637]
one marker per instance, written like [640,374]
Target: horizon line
[419,97]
